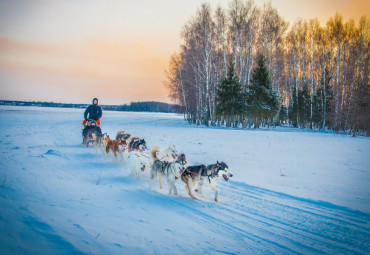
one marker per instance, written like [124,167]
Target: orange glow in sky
[72,51]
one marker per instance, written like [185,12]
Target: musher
[92,112]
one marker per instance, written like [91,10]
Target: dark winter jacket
[93,112]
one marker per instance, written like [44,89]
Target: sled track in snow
[264,221]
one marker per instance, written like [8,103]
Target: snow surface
[292,192]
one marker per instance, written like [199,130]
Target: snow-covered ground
[292,192]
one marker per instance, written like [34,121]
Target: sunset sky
[71,51]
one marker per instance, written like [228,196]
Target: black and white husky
[134,144]
[194,175]
[137,144]
[170,171]
[122,135]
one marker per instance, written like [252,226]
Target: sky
[72,51]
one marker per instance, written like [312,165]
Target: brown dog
[114,146]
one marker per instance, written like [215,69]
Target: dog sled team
[165,165]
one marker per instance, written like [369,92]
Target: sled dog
[122,135]
[137,144]
[198,174]
[100,142]
[170,171]
[137,163]
[116,147]
[169,154]
[133,143]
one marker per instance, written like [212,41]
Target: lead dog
[197,174]
[170,171]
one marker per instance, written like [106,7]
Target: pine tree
[300,108]
[283,115]
[230,99]
[263,102]
[304,106]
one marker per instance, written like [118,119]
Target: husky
[137,163]
[116,146]
[169,154]
[133,143]
[137,144]
[170,171]
[122,135]
[100,142]
[197,174]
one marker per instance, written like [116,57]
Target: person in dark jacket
[92,112]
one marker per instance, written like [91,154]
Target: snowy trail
[71,200]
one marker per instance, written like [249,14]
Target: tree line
[150,106]
[319,74]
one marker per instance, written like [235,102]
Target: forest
[317,74]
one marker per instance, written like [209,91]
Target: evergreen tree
[304,106]
[318,104]
[230,98]
[283,115]
[300,108]
[263,102]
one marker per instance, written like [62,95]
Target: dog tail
[153,153]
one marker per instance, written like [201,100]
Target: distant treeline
[133,106]
[151,107]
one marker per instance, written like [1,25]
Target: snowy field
[292,192]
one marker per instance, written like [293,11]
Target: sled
[91,132]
